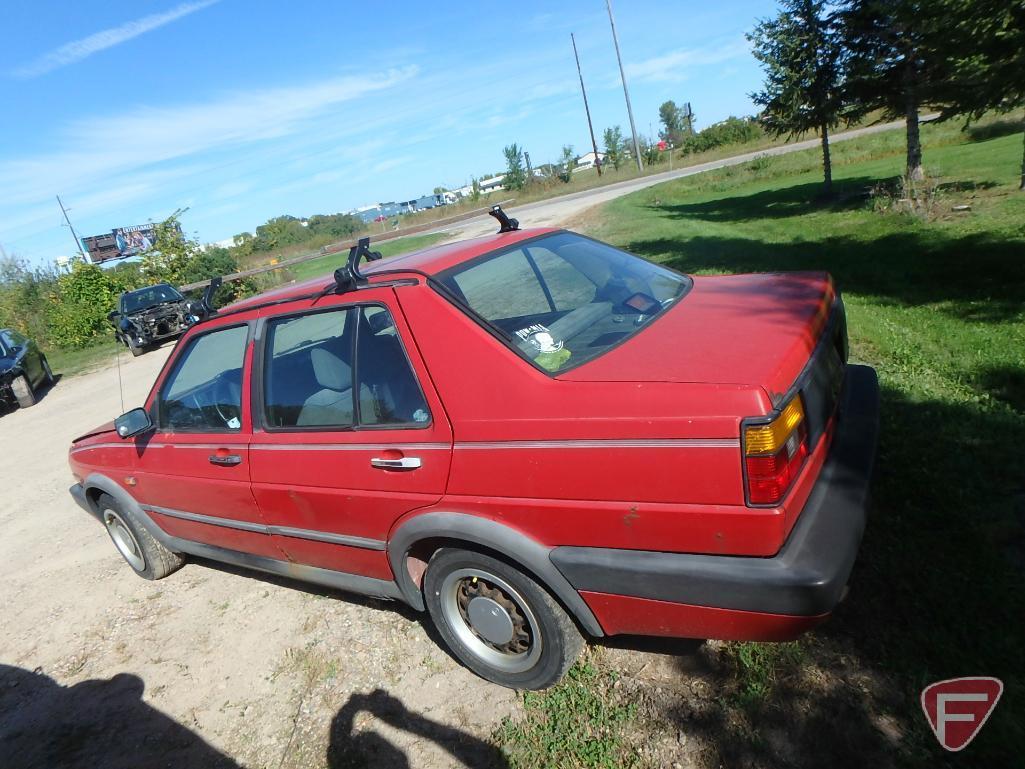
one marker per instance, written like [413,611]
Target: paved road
[555,211]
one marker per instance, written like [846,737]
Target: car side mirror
[112,314]
[133,422]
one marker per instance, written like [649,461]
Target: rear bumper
[799,585]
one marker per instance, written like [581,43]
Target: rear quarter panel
[615,464]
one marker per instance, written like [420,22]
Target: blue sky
[246,109]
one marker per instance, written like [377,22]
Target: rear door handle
[406,463]
[225,459]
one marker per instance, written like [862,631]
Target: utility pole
[587,110]
[626,93]
[78,243]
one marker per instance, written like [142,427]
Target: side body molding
[351,583]
[490,534]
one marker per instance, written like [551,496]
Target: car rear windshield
[143,298]
[562,299]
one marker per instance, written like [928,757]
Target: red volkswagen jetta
[533,436]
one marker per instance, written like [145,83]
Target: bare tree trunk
[914,169]
[827,164]
[1022,186]
[914,141]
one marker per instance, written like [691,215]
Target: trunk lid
[734,329]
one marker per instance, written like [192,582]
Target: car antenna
[120,382]
[507,224]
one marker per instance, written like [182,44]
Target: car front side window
[204,391]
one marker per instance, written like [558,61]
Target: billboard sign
[131,241]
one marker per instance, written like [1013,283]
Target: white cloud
[104,148]
[75,51]
[680,64]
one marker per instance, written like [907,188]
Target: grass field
[937,304]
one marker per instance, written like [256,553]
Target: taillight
[774,453]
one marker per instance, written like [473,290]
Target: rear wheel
[498,621]
[23,391]
[147,557]
[47,372]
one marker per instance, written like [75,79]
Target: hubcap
[491,619]
[124,540]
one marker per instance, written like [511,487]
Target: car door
[349,435]
[193,469]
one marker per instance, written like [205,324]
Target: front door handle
[405,463]
[225,459]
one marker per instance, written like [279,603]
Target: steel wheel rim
[504,657]
[124,540]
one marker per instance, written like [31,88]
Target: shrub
[76,311]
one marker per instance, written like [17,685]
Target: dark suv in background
[23,369]
[147,316]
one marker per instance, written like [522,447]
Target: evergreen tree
[800,52]
[897,56]
[985,45]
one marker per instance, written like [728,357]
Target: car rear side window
[312,379]
[563,299]
[308,371]
[204,391]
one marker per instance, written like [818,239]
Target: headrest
[331,371]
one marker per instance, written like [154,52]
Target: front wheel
[499,622]
[147,557]
[23,392]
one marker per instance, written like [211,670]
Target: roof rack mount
[506,224]
[348,276]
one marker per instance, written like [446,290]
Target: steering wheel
[224,393]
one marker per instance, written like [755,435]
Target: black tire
[544,640]
[136,351]
[48,377]
[147,557]
[23,392]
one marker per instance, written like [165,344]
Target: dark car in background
[23,369]
[147,316]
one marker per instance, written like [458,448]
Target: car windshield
[563,299]
[134,301]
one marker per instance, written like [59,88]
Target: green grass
[937,305]
[72,362]
[576,723]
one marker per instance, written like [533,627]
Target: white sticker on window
[234,424]
[540,338]
[420,416]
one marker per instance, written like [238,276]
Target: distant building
[494,184]
[587,161]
